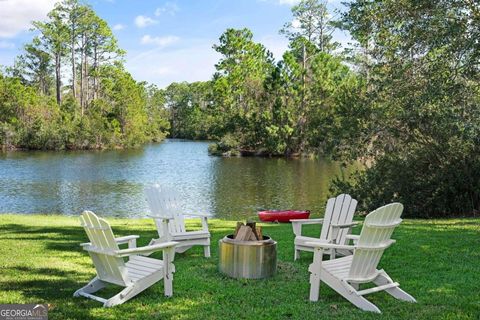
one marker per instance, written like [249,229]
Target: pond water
[111,182]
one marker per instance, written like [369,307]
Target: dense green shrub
[418,122]
[227,146]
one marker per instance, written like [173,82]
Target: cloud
[159,41]
[6,45]
[144,21]
[16,15]
[162,66]
[170,8]
[276,44]
[296,24]
[118,27]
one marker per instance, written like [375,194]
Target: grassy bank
[437,261]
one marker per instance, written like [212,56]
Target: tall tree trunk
[81,74]
[322,41]
[95,61]
[58,83]
[74,78]
[87,98]
[42,85]
[302,112]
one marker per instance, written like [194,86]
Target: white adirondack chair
[136,275]
[336,225]
[345,274]
[170,221]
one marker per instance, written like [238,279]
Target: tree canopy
[69,89]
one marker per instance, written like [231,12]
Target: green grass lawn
[437,261]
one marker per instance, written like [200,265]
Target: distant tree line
[70,90]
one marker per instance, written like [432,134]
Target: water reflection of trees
[242,186]
[111,182]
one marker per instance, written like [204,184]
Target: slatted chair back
[163,203]
[374,239]
[339,210]
[109,268]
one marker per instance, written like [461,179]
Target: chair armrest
[203,217]
[353,237]
[125,239]
[344,225]
[146,249]
[336,227]
[131,240]
[307,221]
[324,245]
[120,240]
[298,223]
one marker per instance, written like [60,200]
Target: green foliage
[191,115]
[104,107]
[36,67]
[421,116]
[228,146]
[312,22]
[270,108]
[238,87]
[158,124]
[26,118]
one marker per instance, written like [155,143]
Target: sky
[166,40]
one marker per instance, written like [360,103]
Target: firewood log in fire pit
[248,232]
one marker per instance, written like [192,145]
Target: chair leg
[168,285]
[315,273]
[314,287]
[296,254]
[123,296]
[168,270]
[395,292]
[353,297]
[206,251]
[93,286]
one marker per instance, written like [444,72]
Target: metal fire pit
[247,259]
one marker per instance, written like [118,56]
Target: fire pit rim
[266,241]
